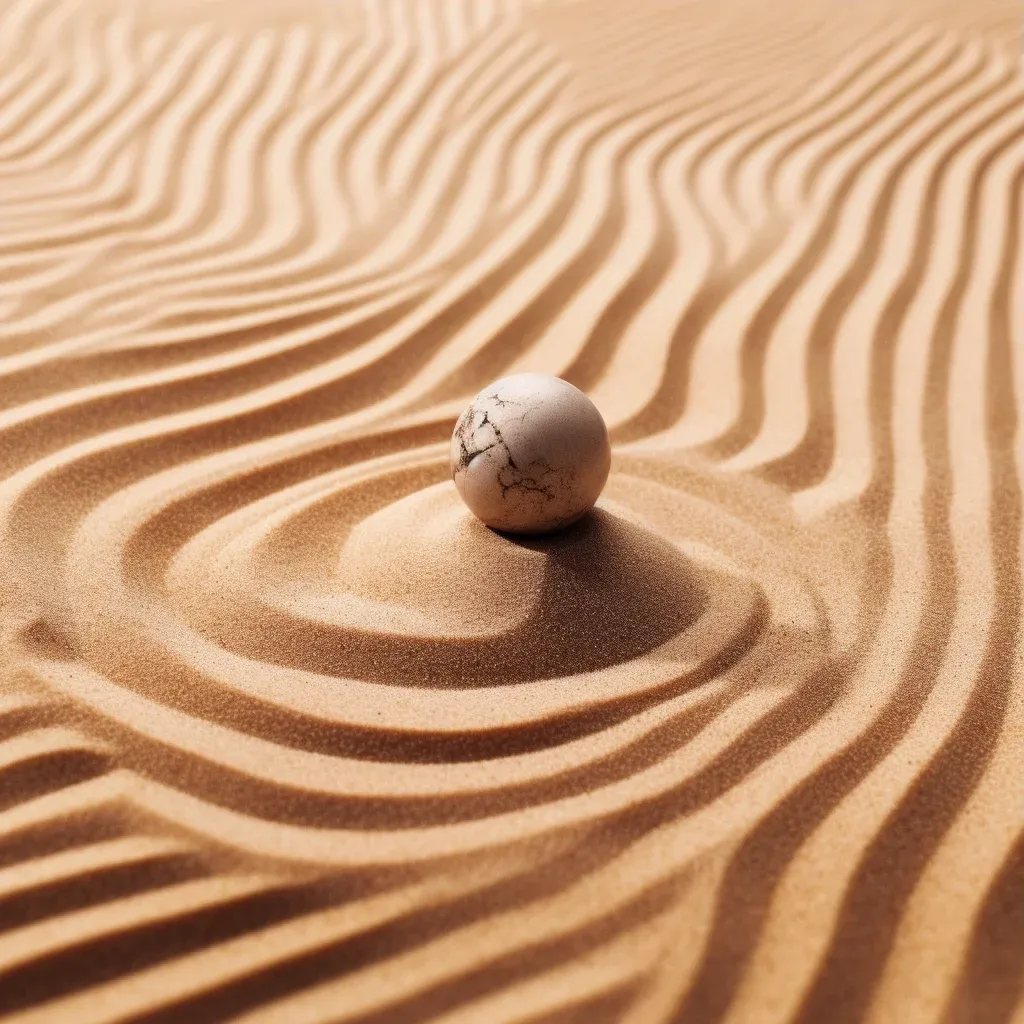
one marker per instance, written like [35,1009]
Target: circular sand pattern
[288,734]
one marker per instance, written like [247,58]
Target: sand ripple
[285,734]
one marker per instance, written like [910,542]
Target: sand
[288,736]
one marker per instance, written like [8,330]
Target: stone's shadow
[611,591]
[598,593]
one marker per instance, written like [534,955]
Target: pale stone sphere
[530,454]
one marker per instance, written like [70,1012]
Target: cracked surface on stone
[530,454]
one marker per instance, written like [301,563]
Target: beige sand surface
[287,736]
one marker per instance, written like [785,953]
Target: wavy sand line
[272,745]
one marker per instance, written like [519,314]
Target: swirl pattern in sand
[288,735]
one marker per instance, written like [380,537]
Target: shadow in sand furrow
[33,106]
[991,984]
[531,958]
[528,325]
[474,70]
[96,886]
[191,87]
[609,1008]
[856,88]
[590,365]
[810,460]
[156,541]
[927,810]
[667,404]
[24,717]
[357,390]
[93,415]
[134,947]
[274,274]
[762,324]
[35,776]
[162,677]
[280,802]
[49,432]
[64,832]
[514,336]
[332,960]
[891,867]
[127,123]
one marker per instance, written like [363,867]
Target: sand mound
[287,735]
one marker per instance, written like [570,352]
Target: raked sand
[287,736]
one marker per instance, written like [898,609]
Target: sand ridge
[287,735]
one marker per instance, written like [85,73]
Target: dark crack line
[528,483]
[466,431]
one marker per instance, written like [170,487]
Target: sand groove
[286,735]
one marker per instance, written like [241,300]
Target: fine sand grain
[287,736]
